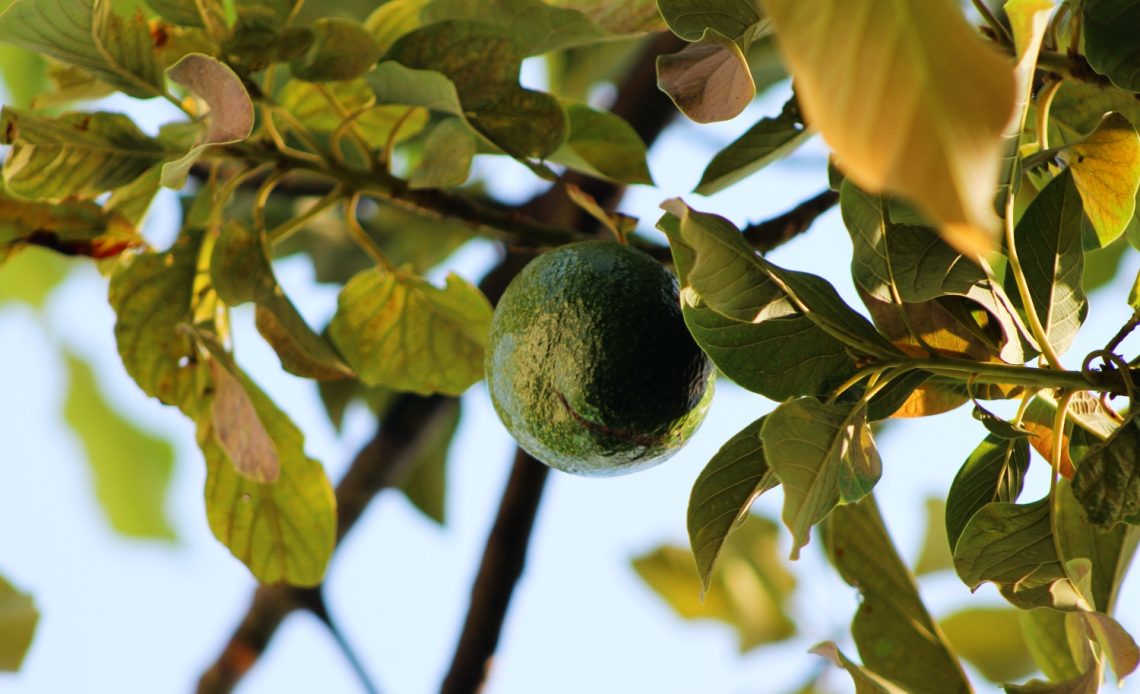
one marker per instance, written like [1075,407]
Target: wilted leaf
[69,228]
[925,133]
[769,140]
[238,430]
[400,331]
[1106,171]
[822,455]
[18,619]
[130,468]
[446,160]
[1110,42]
[89,35]
[896,637]
[342,49]
[723,493]
[231,109]
[284,531]
[1107,480]
[709,80]
[77,154]
[1117,645]
[750,586]
[603,144]
[991,640]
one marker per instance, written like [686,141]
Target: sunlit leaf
[924,133]
[991,640]
[709,80]
[896,637]
[1106,170]
[769,140]
[995,471]
[723,493]
[309,105]
[400,331]
[130,468]
[603,144]
[89,35]
[823,455]
[1111,44]
[231,109]
[1107,480]
[31,277]
[77,154]
[18,619]
[1109,553]
[750,587]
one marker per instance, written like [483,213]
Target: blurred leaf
[769,140]
[1079,107]
[425,483]
[1087,683]
[991,640]
[1134,293]
[896,637]
[152,294]
[400,331]
[1106,170]
[77,154]
[241,272]
[689,19]
[184,12]
[283,531]
[1047,638]
[69,84]
[935,554]
[342,49]
[709,80]
[1111,45]
[69,228]
[535,27]
[446,160]
[18,620]
[131,468]
[823,454]
[1116,644]
[750,586]
[1107,480]
[1102,264]
[309,105]
[88,34]
[866,682]
[626,17]
[231,109]
[724,491]
[30,277]
[603,144]
[392,19]
[24,73]
[938,151]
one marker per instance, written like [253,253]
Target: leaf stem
[286,229]
[1034,320]
[1044,104]
[988,15]
[1125,331]
[348,126]
[361,237]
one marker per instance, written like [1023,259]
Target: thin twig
[319,608]
[1125,331]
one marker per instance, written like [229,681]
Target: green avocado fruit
[590,366]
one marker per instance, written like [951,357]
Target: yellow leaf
[881,80]
[1106,169]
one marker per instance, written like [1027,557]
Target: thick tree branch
[502,565]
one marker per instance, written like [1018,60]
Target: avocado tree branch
[766,235]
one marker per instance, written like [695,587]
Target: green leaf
[1111,44]
[760,356]
[1107,480]
[1011,545]
[896,637]
[1079,107]
[724,491]
[626,17]
[425,483]
[400,331]
[750,588]
[152,294]
[535,27]
[78,154]
[995,471]
[183,12]
[31,277]
[709,80]
[1106,171]
[89,35]
[1048,239]
[690,18]
[283,531]
[241,272]
[237,428]
[1046,635]
[131,468]
[935,555]
[991,640]
[483,66]
[18,620]
[69,228]
[24,74]
[1109,553]
[603,144]
[1087,683]
[231,109]
[769,140]
[938,150]
[448,152]
[342,49]
[823,455]
[308,104]
[866,681]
